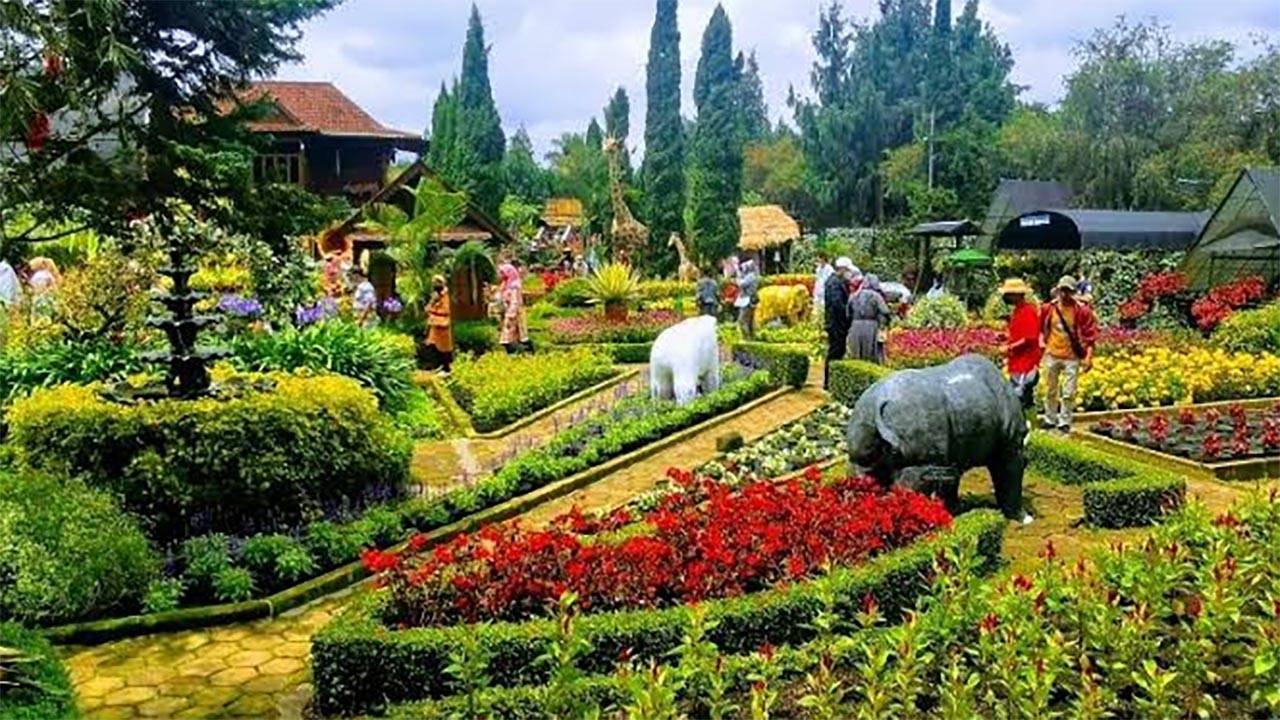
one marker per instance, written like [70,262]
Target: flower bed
[498,389]
[360,665]
[1159,376]
[926,347]
[737,541]
[639,327]
[1219,303]
[1209,436]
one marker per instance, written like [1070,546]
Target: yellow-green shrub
[262,460]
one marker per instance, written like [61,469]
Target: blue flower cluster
[324,309]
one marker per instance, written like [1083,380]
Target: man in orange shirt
[1070,330]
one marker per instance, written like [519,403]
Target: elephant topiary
[923,429]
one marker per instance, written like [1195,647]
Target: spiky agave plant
[614,285]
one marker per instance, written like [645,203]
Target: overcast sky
[554,63]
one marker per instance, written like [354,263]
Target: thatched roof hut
[562,213]
[766,226]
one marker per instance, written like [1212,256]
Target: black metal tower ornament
[186,364]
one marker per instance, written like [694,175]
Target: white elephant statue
[684,358]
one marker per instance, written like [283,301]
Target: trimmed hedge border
[99,631]
[619,377]
[50,695]
[1119,492]
[1250,404]
[458,417]
[789,364]
[850,378]
[360,666]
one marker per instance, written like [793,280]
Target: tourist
[440,323]
[869,316]
[10,286]
[937,291]
[835,313]
[1022,349]
[748,298]
[43,282]
[821,275]
[333,275]
[512,333]
[708,293]
[1069,330]
[365,302]
[730,267]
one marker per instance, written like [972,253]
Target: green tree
[755,112]
[715,167]
[481,143]
[980,68]
[525,178]
[617,124]
[122,107]
[774,172]
[663,172]
[442,155]
[580,171]
[412,236]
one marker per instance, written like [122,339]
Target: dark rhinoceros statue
[923,429]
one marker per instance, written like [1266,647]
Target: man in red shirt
[1022,341]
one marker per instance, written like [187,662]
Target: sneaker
[1026,518]
[1064,429]
[1046,424]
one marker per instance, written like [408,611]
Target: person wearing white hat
[835,295]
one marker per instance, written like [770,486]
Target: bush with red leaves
[717,542]
[1210,310]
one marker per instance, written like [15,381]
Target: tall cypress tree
[755,113]
[664,158]
[444,132]
[941,98]
[715,167]
[481,143]
[617,124]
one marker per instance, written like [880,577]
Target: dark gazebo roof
[1062,229]
[947,228]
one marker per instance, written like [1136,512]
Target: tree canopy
[715,164]
[663,172]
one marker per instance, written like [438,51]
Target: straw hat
[1014,286]
[1066,283]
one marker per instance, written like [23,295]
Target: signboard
[1031,221]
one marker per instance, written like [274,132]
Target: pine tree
[755,113]
[525,178]
[481,143]
[941,99]
[444,132]
[664,160]
[715,168]
[617,124]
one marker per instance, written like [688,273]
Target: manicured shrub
[67,552]
[233,585]
[422,417]
[850,378]
[163,595]
[34,684]
[1251,331]
[475,337]
[665,289]
[574,292]
[498,389]
[262,460]
[1118,492]
[627,353]
[947,312]
[359,664]
[641,327]
[788,364]
[381,361]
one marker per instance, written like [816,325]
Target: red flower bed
[1210,436]
[1223,300]
[638,327]
[926,347]
[732,542]
[551,279]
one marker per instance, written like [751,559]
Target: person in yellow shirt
[1070,330]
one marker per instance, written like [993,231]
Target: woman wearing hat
[440,322]
[1022,348]
[1069,329]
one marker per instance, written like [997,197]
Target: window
[278,167]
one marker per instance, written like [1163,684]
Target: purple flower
[311,314]
[240,307]
[392,306]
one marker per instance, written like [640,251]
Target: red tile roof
[316,107]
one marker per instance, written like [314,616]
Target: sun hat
[1066,283]
[845,263]
[1014,286]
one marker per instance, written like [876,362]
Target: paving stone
[163,707]
[248,658]
[292,650]
[212,698]
[232,677]
[202,668]
[261,642]
[100,686]
[270,683]
[282,666]
[255,706]
[130,696]
[124,712]
[152,675]
[217,650]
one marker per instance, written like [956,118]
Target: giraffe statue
[688,272]
[630,236]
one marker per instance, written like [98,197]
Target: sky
[554,63]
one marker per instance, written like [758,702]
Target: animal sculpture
[685,359]
[688,272]
[923,429]
[630,236]
[790,303]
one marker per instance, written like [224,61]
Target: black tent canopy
[1069,229]
[946,228]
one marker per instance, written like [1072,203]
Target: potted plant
[614,285]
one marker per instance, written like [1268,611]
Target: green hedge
[261,460]
[40,688]
[499,389]
[850,378]
[788,364]
[1118,492]
[475,336]
[358,665]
